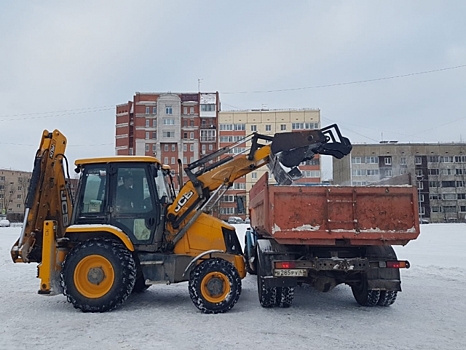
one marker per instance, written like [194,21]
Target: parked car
[247,221]
[4,223]
[235,220]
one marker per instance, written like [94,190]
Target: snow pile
[428,314]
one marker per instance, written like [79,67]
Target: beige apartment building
[13,190]
[438,171]
[235,125]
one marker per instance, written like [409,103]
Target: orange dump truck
[328,235]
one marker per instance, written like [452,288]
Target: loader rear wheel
[214,286]
[387,297]
[98,275]
[365,296]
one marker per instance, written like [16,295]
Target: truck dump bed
[335,215]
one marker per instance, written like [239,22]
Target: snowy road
[430,313]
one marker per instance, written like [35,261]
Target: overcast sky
[392,70]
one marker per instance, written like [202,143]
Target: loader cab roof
[117,159]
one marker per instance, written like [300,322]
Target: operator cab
[130,193]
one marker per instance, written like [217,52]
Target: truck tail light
[402,264]
[285,265]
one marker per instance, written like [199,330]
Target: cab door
[137,213]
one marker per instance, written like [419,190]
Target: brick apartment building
[188,126]
[438,170]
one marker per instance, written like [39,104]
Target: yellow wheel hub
[215,287]
[94,276]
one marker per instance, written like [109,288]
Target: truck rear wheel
[267,295]
[387,297]
[365,296]
[98,275]
[214,286]
[284,296]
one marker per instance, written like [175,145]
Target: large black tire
[98,275]
[387,297]
[365,296]
[214,286]
[284,296]
[267,295]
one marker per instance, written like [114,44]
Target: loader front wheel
[98,275]
[214,286]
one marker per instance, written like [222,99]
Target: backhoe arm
[48,198]
[287,149]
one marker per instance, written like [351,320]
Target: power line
[41,115]
[346,83]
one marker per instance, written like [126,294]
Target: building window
[168,121]
[449,209]
[433,171]
[372,172]
[418,172]
[356,160]
[165,148]
[168,110]
[173,160]
[154,123]
[203,148]
[463,208]
[372,160]
[185,160]
[208,108]
[208,135]
[191,159]
[254,175]
[283,127]
[154,135]
[185,135]
[154,110]
[448,196]
[165,160]
[191,135]
[268,127]
[459,171]
[147,135]
[228,198]
[253,128]
[211,147]
[147,110]
[403,160]
[420,185]
[185,148]
[147,123]
[436,209]
[169,134]
[417,160]
[154,148]
[461,195]
[147,147]
[191,147]
[185,110]
[448,184]
[191,110]
[388,160]
[173,148]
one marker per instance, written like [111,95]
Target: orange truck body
[335,215]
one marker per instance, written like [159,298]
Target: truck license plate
[290,272]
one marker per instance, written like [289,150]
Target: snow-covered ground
[430,313]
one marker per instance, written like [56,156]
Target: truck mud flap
[380,284]
[271,282]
